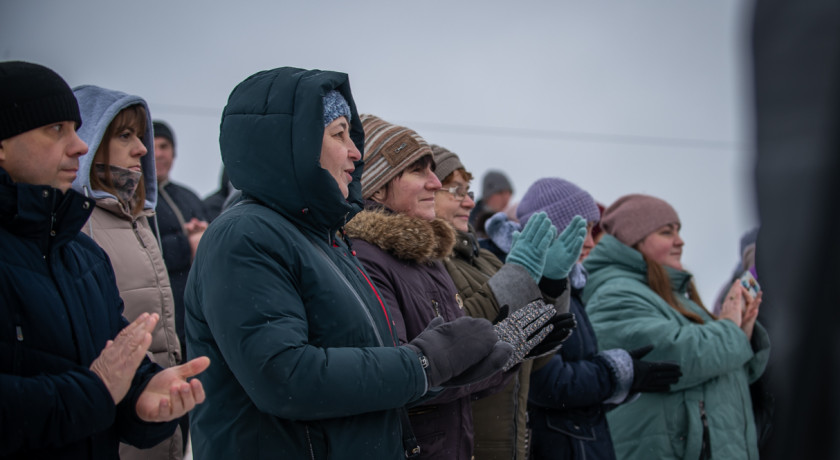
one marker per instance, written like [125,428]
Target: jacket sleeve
[761,346]
[513,286]
[380,277]
[565,384]
[51,410]
[626,315]
[248,294]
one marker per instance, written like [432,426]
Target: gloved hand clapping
[565,250]
[530,247]
[563,324]
[652,376]
[460,352]
[524,329]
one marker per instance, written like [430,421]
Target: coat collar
[41,213]
[406,237]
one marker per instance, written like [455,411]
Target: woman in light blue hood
[119,173]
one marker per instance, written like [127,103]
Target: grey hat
[446,162]
[161,129]
[495,182]
[335,106]
[560,199]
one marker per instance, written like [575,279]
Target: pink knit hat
[633,217]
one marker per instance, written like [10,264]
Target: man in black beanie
[74,376]
[181,220]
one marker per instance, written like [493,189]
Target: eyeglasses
[460,192]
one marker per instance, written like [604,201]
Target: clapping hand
[118,361]
[169,395]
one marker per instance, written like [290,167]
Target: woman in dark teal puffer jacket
[306,362]
[304,368]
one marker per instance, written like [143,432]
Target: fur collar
[407,238]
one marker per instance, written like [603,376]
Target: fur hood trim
[406,237]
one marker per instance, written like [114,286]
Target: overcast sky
[619,97]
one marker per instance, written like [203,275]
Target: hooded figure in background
[119,174]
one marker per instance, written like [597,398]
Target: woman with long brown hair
[638,294]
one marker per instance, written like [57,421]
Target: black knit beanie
[161,129]
[32,96]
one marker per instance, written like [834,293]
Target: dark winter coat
[566,401]
[483,282]
[177,205]
[302,350]
[59,305]
[403,256]
[711,401]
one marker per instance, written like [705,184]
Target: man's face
[48,155]
[164,154]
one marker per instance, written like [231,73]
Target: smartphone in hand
[748,281]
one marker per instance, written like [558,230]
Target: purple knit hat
[560,199]
[633,217]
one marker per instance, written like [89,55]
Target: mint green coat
[718,363]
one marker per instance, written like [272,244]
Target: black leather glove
[564,324]
[652,376]
[460,352]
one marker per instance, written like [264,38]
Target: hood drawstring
[347,240]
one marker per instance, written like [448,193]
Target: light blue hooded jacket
[99,106]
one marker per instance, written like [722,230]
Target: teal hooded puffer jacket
[717,361]
[303,358]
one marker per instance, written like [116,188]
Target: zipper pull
[435,307]
[19,332]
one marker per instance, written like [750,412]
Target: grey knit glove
[459,352]
[524,329]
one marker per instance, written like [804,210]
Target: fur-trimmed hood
[406,237]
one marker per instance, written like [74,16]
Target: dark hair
[660,283]
[420,163]
[130,117]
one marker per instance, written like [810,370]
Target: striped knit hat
[389,149]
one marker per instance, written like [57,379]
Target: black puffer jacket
[59,305]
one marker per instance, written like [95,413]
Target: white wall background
[647,96]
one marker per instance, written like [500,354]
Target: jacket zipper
[309,442]
[435,307]
[137,232]
[706,447]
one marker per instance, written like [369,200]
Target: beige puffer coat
[144,287]
[140,271]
